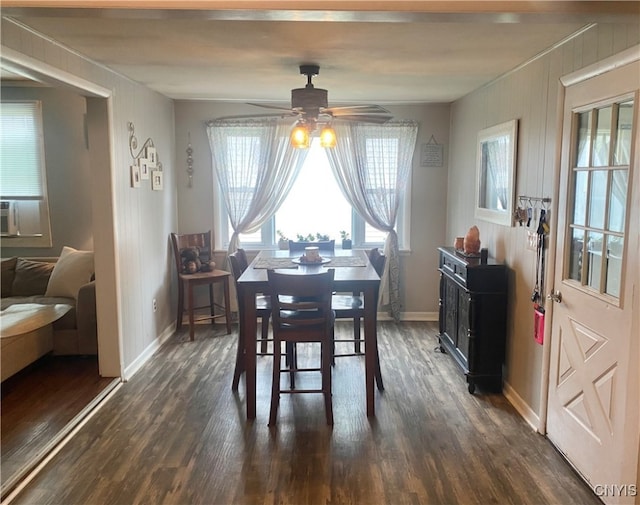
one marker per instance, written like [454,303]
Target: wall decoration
[150,154]
[432,154]
[135,176]
[156,180]
[143,165]
[189,162]
[146,159]
[495,173]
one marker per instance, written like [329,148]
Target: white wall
[419,276]
[530,95]
[134,257]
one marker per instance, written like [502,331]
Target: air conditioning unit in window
[9,222]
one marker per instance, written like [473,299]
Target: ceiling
[427,51]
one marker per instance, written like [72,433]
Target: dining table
[353,273]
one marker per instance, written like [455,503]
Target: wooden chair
[239,264]
[322,245]
[301,312]
[351,306]
[187,282]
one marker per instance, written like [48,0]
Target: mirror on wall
[495,173]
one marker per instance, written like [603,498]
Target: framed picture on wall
[151,156]
[156,180]
[495,173]
[143,165]
[135,176]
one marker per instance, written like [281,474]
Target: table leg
[249,329]
[370,346]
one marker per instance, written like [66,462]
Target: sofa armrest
[86,319]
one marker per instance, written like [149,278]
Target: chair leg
[180,304]
[265,334]
[378,371]
[212,304]
[333,347]
[356,335]
[227,305]
[326,380]
[191,313]
[292,361]
[239,368]
[275,383]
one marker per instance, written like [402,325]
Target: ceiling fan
[310,105]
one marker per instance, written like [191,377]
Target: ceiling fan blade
[356,109]
[283,114]
[364,118]
[266,106]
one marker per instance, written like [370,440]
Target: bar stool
[188,281]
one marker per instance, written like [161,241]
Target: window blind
[21,148]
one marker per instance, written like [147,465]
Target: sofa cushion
[31,277]
[72,270]
[66,322]
[7,274]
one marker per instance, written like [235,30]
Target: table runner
[337,261]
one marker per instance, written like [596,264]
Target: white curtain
[372,164]
[255,166]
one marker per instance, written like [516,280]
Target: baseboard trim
[410,316]
[148,352]
[521,406]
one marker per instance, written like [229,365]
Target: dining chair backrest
[301,301]
[242,256]
[182,241]
[322,245]
[377,259]
[236,265]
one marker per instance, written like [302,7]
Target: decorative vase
[458,244]
[471,242]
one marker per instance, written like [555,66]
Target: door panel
[593,399]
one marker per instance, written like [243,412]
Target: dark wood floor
[177,434]
[38,402]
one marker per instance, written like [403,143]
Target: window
[600,181]
[314,205]
[23,176]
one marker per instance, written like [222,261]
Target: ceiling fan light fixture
[300,137]
[328,137]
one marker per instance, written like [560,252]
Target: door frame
[100,131]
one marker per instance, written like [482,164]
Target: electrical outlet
[155,305]
[532,240]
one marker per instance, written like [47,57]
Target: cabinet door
[463,324]
[450,309]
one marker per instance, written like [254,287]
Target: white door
[594,399]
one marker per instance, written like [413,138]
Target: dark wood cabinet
[473,316]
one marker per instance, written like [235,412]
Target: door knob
[555,296]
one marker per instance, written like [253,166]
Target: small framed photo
[156,180]
[152,157]
[135,176]
[143,165]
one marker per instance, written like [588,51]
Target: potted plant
[322,237]
[283,241]
[346,241]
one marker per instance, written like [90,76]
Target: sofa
[47,306]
